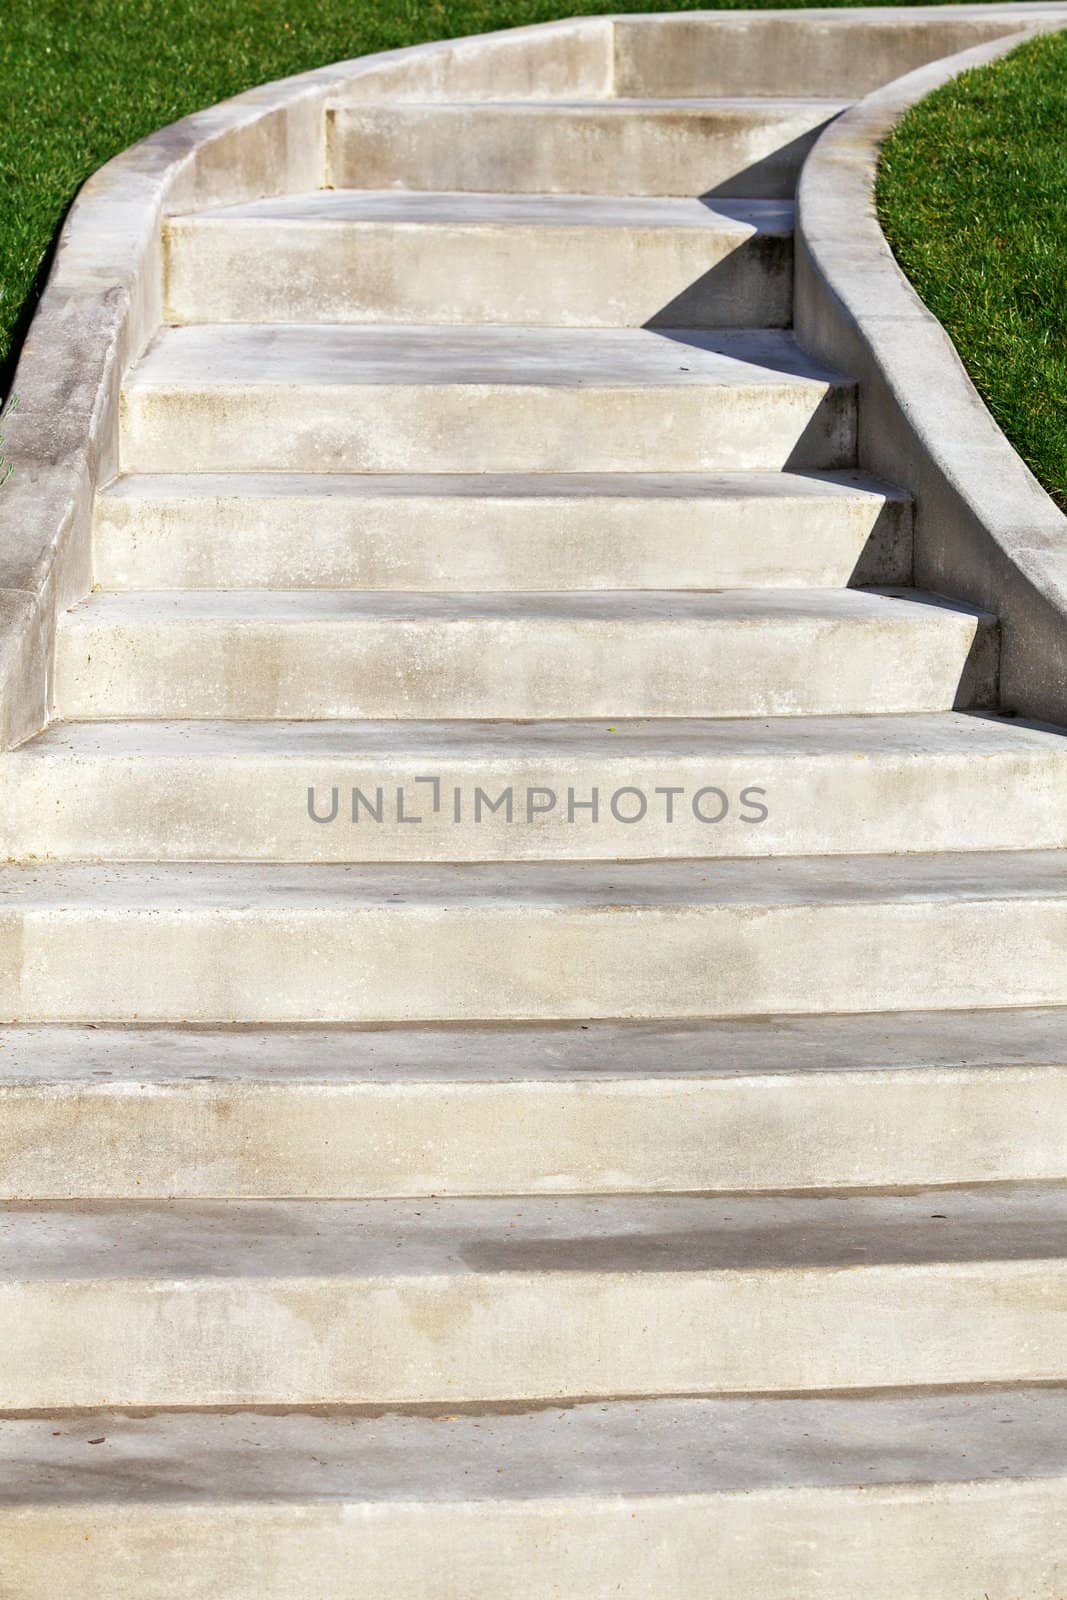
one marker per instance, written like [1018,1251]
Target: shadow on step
[773,176]
[752,285]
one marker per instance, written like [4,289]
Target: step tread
[925,736]
[118,1059]
[616,1448]
[200,891]
[786,486]
[158,1240]
[208,356]
[279,607]
[698,105]
[457,207]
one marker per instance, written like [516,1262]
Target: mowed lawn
[972,194]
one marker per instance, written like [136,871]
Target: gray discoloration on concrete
[908,1042]
[782,1103]
[140,1241]
[689,1500]
[790,1103]
[635,1448]
[371,1302]
[334,207]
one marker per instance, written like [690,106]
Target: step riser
[452,543]
[300,809]
[754,151]
[759,53]
[527,1334]
[951,1541]
[197,1140]
[423,961]
[487,427]
[519,668]
[591,277]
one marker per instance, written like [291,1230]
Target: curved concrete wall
[103,299]
[985,530]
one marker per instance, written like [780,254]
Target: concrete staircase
[534,982]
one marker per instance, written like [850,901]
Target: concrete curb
[102,302]
[986,532]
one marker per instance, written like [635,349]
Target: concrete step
[786,1103]
[342,398]
[498,791]
[337,654]
[449,532]
[833,52]
[595,261]
[382,1302]
[541,942]
[889,1497]
[747,148]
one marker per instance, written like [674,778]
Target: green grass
[82,79]
[972,194]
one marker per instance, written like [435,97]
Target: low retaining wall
[985,530]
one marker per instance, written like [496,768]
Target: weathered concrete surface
[451,531]
[566,60]
[321,791]
[389,1301]
[985,531]
[841,55]
[332,653]
[539,942]
[340,397]
[103,300]
[238,1209]
[750,148]
[580,261]
[738,1499]
[788,1103]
